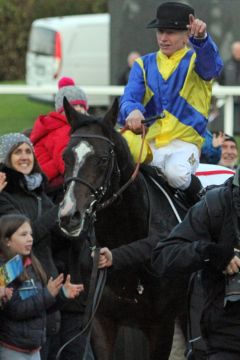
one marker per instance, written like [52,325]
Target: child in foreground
[23,316]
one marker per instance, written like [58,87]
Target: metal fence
[226,93]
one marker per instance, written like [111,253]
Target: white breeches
[177,160]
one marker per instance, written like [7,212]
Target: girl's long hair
[9,224]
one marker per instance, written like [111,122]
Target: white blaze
[81,151]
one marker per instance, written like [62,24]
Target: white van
[77,46]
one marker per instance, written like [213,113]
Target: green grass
[17,112]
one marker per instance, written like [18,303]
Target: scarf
[33,181]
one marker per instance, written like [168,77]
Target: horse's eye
[100,160]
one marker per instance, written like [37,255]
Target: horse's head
[90,164]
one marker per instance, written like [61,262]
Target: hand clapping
[70,290]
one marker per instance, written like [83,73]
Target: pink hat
[73,93]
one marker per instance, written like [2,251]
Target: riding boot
[194,190]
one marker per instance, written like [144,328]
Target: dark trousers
[50,348]
[222,355]
[71,325]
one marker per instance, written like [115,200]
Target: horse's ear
[111,116]
[73,116]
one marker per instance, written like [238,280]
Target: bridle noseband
[99,193]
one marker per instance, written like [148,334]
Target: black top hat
[172,15]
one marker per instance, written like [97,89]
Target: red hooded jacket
[50,135]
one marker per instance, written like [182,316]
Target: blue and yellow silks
[158,83]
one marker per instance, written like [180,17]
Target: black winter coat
[38,208]
[23,322]
[196,244]
[51,247]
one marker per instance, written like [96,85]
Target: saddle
[155,173]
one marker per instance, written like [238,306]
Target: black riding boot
[193,191]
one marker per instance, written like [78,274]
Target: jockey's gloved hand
[134,121]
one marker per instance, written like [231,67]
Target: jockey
[175,81]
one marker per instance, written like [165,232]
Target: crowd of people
[172,81]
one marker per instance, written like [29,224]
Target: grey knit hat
[74,94]
[8,141]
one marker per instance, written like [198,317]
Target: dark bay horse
[98,163]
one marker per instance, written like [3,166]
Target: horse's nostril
[75,219]
[71,221]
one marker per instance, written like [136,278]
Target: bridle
[100,192]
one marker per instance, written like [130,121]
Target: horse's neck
[127,219]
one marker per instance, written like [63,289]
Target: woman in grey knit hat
[22,185]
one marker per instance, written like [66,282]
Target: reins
[96,287]
[114,196]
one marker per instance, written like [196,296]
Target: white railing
[223,92]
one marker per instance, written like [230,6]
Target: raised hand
[72,290]
[55,285]
[5,293]
[197,27]
[218,139]
[3,181]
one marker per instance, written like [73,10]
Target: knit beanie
[8,141]
[74,94]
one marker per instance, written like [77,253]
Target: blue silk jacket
[180,85]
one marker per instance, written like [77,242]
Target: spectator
[229,157]
[24,194]
[208,240]
[50,135]
[231,77]
[132,56]
[23,317]
[175,80]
